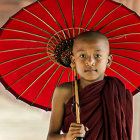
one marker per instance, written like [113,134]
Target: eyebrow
[85,50]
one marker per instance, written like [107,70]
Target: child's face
[90,57]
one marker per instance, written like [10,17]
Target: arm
[57,115]
[75,130]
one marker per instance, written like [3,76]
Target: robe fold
[106,108]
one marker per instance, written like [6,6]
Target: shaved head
[92,36]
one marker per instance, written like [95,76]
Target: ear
[72,61]
[109,60]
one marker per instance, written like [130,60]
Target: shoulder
[114,79]
[66,85]
[64,91]
[118,83]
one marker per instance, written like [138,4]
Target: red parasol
[35,45]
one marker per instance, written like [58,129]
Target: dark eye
[82,55]
[98,56]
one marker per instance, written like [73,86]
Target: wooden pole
[77,98]
[77,101]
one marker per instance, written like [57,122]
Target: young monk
[105,105]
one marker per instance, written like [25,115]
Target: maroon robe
[106,108]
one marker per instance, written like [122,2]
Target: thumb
[86,129]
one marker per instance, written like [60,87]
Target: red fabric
[106,109]
[28,67]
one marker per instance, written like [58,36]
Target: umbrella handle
[77,102]
[77,98]
[79,138]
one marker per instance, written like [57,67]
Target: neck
[83,82]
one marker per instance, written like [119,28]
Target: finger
[79,131]
[76,124]
[77,128]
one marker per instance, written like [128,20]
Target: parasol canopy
[36,44]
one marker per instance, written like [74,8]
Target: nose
[90,61]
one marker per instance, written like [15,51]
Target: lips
[90,70]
